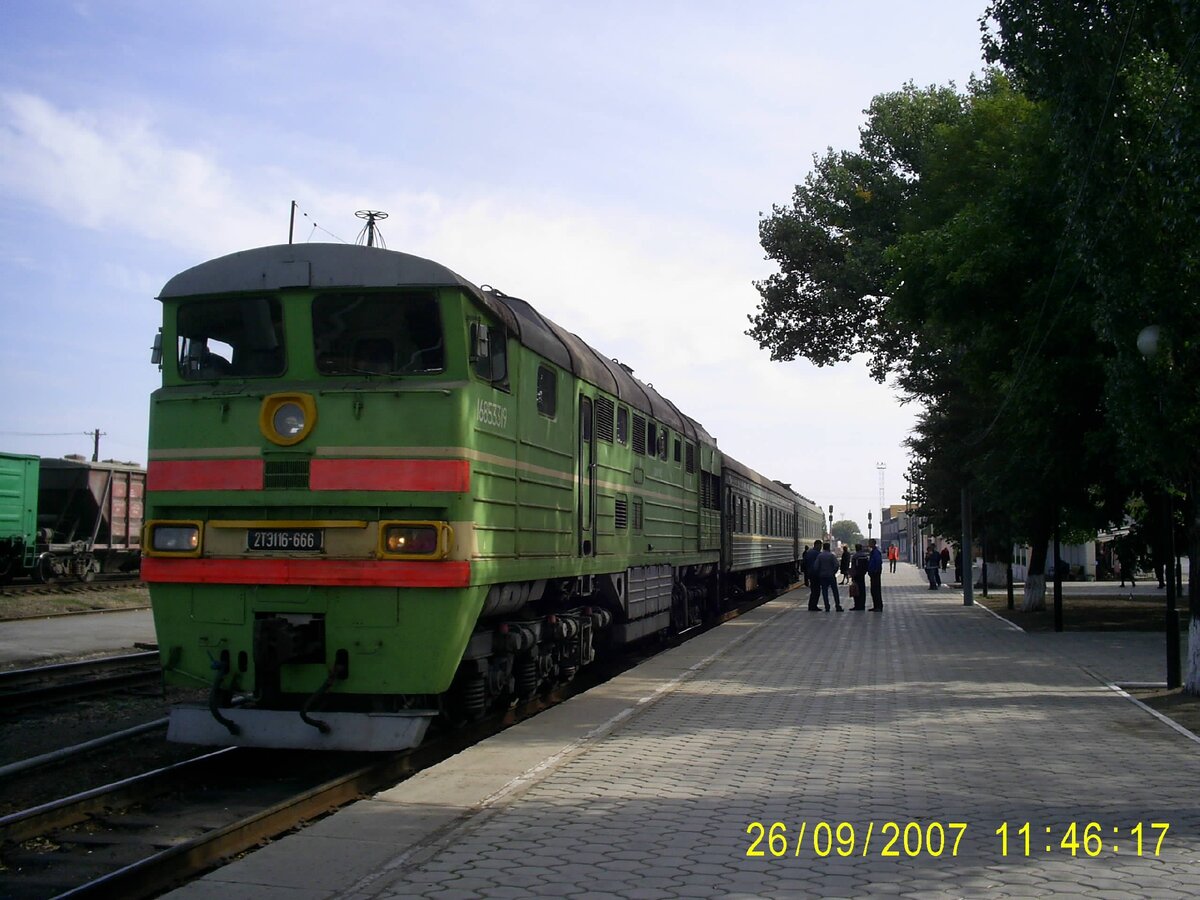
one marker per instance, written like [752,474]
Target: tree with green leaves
[1123,80]
[847,531]
[942,234]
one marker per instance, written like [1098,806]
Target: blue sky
[607,162]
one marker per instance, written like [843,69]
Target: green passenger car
[377,494]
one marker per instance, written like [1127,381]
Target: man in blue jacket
[875,571]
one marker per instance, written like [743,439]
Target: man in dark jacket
[875,570]
[809,561]
[858,575]
[827,569]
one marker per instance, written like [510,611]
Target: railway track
[40,685]
[71,586]
[138,837]
[141,836]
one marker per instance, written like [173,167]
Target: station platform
[930,750]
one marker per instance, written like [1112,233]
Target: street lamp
[831,521]
[1148,346]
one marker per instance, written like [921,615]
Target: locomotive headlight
[173,539]
[415,540]
[287,419]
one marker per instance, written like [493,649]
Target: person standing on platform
[827,571]
[809,560]
[932,560]
[945,558]
[845,564]
[875,571]
[893,558]
[1127,557]
[858,576]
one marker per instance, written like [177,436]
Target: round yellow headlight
[287,419]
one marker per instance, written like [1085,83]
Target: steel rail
[67,811]
[64,586]
[59,755]
[23,698]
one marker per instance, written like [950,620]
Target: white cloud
[115,172]
[668,297]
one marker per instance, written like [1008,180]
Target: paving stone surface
[928,751]
[890,746]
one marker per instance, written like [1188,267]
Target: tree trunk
[1035,574]
[1191,666]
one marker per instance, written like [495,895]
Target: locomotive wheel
[43,569]
[8,569]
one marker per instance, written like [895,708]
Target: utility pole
[96,444]
[968,581]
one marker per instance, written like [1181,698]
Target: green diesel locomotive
[377,493]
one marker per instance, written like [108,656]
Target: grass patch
[1089,612]
[1184,709]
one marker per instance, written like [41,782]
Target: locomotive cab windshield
[394,333]
[236,337]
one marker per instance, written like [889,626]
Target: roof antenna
[371,231]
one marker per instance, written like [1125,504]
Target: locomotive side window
[622,425]
[489,354]
[377,334]
[547,391]
[236,338]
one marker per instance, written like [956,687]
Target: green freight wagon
[18,514]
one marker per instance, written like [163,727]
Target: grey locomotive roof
[349,265]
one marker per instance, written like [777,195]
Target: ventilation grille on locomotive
[621,519]
[604,419]
[639,435]
[286,473]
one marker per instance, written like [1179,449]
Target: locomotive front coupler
[220,669]
[339,671]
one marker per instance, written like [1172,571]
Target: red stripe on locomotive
[205,475]
[453,475]
[319,572]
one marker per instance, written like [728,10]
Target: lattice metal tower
[881,467]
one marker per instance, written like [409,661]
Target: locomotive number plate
[286,539]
